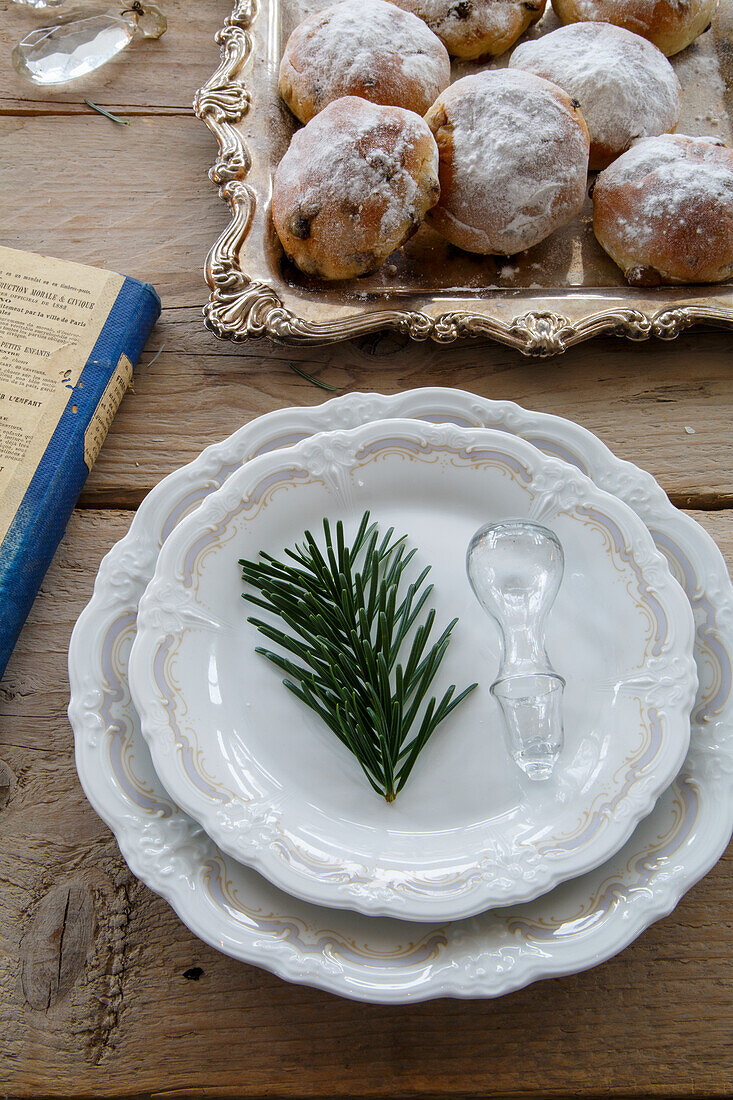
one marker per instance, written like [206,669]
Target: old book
[70,337]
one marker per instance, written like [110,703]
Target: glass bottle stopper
[515,569]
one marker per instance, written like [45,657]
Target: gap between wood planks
[227,1092]
[132,499]
[14,109]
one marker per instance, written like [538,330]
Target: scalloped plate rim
[182,889]
[339,881]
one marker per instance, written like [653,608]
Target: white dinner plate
[577,925]
[273,786]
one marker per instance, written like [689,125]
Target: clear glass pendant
[80,44]
[39,5]
[149,20]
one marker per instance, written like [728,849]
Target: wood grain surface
[103,991]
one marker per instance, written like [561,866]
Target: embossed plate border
[536,324]
[267,823]
[577,926]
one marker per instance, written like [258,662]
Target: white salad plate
[273,786]
[578,925]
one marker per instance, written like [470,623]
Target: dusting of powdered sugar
[704,100]
[626,87]
[350,157]
[628,11]
[517,159]
[370,48]
[671,177]
[460,22]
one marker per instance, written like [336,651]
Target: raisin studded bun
[366,48]
[355,183]
[664,211]
[513,161]
[476,28]
[625,86]
[669,24]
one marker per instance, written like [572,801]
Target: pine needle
[350,615]
[311,379]
[156,356]
[107,114]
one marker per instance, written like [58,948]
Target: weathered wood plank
[100,1005]
[135,198]
[652,1022]
[638,399]
[162,75]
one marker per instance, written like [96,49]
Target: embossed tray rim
[536,324]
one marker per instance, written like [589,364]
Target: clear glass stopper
[515,569]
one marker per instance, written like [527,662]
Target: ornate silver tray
[542,302]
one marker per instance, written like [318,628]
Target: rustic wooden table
[94,994]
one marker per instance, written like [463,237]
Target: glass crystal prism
[147,19]
[71,48]
[39,5]
[515,569]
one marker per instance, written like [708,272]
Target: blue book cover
[70,338]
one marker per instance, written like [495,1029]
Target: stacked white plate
[231,799]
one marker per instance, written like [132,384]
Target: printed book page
[51,315]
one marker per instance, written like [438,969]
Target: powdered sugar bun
[513,161]
[669,24]
[367,48]
[625,86]
[354,184]
[664,211]
[476,28]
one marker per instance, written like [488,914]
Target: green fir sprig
[351,615]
